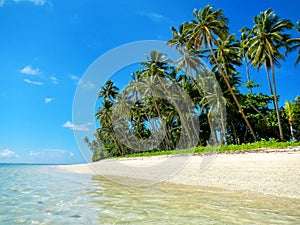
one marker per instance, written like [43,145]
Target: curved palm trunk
[199,91]
[178,111]
[269,79]
[194,128]
[212,129]
[236,138]
[292,129]
[163,126]
[109,125]
[247,72]
[117,144]
[114,138]
[276,101]
[231,90]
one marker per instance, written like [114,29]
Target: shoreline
[272,172]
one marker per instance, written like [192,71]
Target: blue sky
[47,45]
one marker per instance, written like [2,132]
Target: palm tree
[106,129]
[109,91]
[294,44]
[214,104]
[103,114]
[156,66]
[228,55]
[289,109]
[266,39]
[201,33]
[179,38]
[244,37]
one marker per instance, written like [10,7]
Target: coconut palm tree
[214,103]
[245,32]
[179,38]
[294,44]
[289,109]
[203,32]
[266,39]
[156,66]
[228,55]
[109,91]
[106,129]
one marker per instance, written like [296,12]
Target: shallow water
[43,195]
[176,204]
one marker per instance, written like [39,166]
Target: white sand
[275,173]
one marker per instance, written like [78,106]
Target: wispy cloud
[33,153]
[74,77]
[35,2]
[86,84]
[33,82]
[47,100]
[83,83]
[30,71]
[8,154]
[155,17]
[54,80]
[51,153]
[77,127]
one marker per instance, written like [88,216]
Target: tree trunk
[292,130]
[247,72]
[166,133]
[212,129]
[269,79]
[182,120]
[231,91]
[276,101]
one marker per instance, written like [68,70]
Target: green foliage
[256,146]
[207,37]
[260,145]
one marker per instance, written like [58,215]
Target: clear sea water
[44,195]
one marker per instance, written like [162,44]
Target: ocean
[39,194]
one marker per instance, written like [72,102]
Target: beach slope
[274,172]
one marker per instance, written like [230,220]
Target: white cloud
[83,83]
[74,77]
[47,100]
[35,2]
[78,127]
[32,153]
[29,70]
[86,84]
[8,154]
[155,17]
[51,153]
[54,80]
[33,82]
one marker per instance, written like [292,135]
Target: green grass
[256,146]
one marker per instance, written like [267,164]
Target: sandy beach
[273,172]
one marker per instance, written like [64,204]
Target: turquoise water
[43,195]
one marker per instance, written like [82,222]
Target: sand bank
[275,172]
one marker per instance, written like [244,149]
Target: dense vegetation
[262,145]
[249,117]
